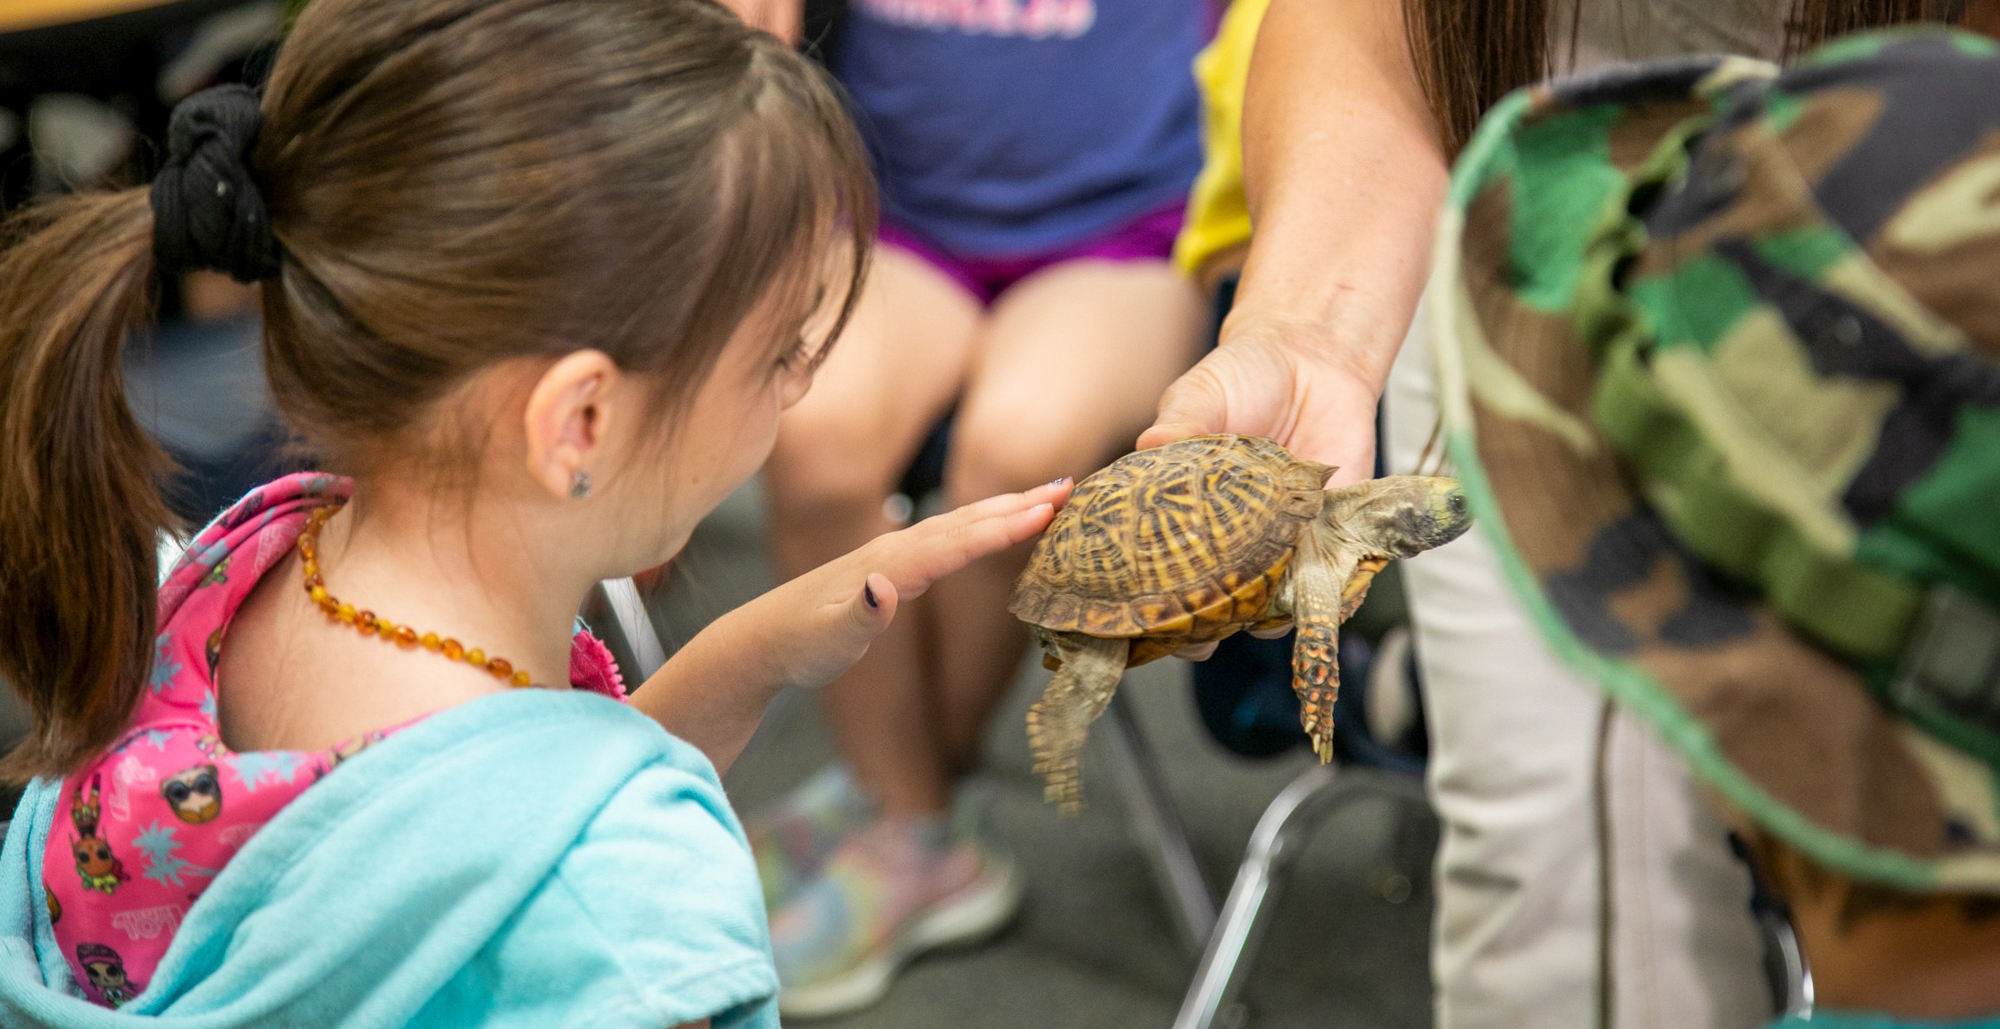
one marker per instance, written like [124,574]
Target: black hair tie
[207,213]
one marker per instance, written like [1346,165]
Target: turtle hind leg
[1319,586]
[1060,721]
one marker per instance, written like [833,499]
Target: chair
[1215,996]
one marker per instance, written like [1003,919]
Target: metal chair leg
[635,626]
[1792,984]
[1158,824]
[1214,998]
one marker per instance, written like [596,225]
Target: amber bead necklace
[368,623]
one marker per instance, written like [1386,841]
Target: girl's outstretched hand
[826,618]
[808,631]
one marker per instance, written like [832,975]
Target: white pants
[1583,880]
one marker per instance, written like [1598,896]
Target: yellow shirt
[1218,217]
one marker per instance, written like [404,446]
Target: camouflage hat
[1719,358]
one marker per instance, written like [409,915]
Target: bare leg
[1060,721]
[839,453]
[1069,370]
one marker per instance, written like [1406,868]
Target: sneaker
[886,895]
[791,838]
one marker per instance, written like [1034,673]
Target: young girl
[539,277]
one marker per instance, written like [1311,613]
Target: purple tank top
[1007,127]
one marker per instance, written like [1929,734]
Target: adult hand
[810,630]
[1275,379]
[1283,380]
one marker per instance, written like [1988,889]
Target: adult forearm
[1344,175]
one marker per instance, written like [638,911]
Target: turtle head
[1399,515]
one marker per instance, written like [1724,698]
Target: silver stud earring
[579,485]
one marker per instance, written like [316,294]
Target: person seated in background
[1034,160]
[1718,353]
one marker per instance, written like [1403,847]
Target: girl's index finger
[1004,520]
[956,546]
[1051,493]
[938,546]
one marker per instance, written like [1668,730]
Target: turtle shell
[1182,542]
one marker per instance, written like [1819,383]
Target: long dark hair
[453,183]
[1470,53]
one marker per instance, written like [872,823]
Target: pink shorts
[1147,237]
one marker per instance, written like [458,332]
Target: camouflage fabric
[1719,356]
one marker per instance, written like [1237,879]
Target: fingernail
[1058,480]
[868,594]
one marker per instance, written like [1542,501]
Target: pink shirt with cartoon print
[146,826]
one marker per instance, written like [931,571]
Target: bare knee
[831,466]
[1009,451]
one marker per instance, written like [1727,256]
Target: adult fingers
[1194,405]
[1199,652]
[1246,388]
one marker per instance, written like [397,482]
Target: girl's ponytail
[80,506]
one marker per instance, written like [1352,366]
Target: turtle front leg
[1319,580]
[1356,588]
[1060,721]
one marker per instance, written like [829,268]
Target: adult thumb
[1192,406]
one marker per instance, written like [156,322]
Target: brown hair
[1815,21]
[1470,53]
[453,183]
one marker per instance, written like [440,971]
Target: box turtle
[1187,543]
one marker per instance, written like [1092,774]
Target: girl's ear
[568,419]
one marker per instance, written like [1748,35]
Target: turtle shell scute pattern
[1185,542]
